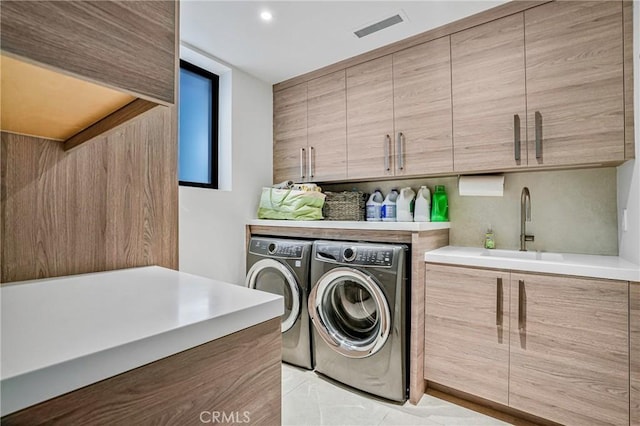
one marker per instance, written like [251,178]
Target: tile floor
[310,399]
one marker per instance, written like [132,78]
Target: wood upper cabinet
[489,103]
[575,83]
[467,330]
[570,349]
[290,134]
[370,147]
[327,127]
[634,345]
[422,109]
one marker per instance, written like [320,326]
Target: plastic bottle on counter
[422,211]
[404,205]
[388,212]
[440,205]
[374,206]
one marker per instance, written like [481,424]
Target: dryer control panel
[279,248]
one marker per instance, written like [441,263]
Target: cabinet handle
[311,152]
[302,164]
[387,153]
[521,305]
[516,136]
[400,149]
[499,302]
[538,135]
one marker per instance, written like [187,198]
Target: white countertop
[64,333]
[338,224]
[584,265]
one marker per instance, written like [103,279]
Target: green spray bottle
[440,205]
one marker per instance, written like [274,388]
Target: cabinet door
[575,82]
[290,134]
[488,84]
[570,349]
[370,149]
[634,340]
[327,127]
[467,330]
[422,109]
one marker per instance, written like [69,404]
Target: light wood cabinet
[489,102]
[556,347]
[327,127]
[290,134]
[467,330]
[422,109]
[370,148]
[634,346]
[575,92]
[569,350]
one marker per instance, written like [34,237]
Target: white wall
[629,173]
[212,222]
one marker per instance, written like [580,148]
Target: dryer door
[350,312]
[274,277]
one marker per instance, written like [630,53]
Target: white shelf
[64,333]
[336,224]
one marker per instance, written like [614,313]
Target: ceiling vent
[381,25]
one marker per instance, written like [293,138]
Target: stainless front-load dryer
[358,308]
[281,266]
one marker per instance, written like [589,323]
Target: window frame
[215,100]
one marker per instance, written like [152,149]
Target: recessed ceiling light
[266,16]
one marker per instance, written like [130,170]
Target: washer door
[274,277]
[349,311]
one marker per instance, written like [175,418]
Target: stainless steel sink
[525,255]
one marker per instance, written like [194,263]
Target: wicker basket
[348,205]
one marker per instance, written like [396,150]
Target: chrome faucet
[525,216]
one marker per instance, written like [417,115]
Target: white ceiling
[306,35]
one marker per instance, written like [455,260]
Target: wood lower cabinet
[467,330]
[290,134]
[556,347]
[327,127]
[370,147]
[634,346]
[575,83]
[422,109]
[489,102]
[569,350]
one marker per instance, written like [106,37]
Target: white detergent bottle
[404,205]
[422,211]
[388,212]
[374,206]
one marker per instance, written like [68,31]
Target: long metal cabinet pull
[538,135]
[387,153]
[521,306]
[302,163]
[516,136]
[400,150]
[310,162]
[499,302]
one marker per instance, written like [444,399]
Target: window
[198,127]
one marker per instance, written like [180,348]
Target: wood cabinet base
[484,406]
[237,376]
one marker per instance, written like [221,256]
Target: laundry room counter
[62,334]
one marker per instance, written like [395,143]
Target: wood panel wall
[634,351]
[111,204]
[127,45]
[238,375]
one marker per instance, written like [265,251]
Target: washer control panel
[280,248]
[353,254]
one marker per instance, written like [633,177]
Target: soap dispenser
[489,240]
